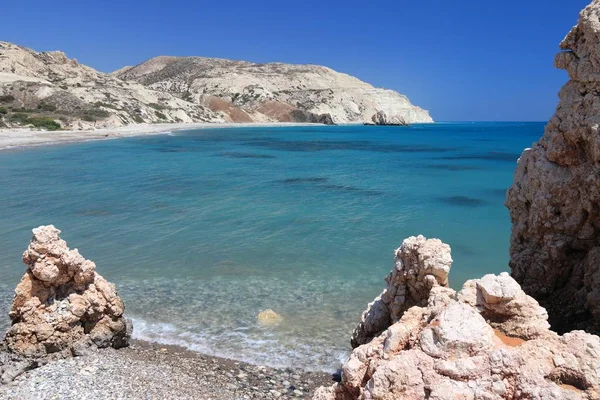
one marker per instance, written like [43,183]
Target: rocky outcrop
[380,118]
[554,201]
[270,92]
[62,304]
[420,265]
[488,341]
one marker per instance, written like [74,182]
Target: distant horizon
[459,61]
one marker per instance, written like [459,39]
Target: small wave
[238,345]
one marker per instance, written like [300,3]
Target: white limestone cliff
[267,91]
[48,90]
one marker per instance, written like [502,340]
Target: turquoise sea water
[201,230]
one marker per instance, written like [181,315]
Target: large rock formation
[49,90]
[488,341]
[272,92]
[554,201]
[61,303]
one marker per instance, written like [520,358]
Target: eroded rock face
[488,341]
[420,264]
[61,303]
[554,201]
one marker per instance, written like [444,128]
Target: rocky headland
[49,91]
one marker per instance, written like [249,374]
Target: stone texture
[61,303]
[420,265]
[553,203]
[488,341]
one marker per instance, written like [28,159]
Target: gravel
[153,371]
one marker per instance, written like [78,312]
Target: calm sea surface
[201,230]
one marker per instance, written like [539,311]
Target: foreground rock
[488,341]
[62,304]
[553,203]
[420,265]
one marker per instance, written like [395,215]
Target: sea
[201,230]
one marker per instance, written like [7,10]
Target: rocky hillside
[273,92]
[50,91]
[553,203]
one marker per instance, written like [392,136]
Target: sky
[463,60]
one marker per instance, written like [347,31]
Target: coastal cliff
[247,91]
[553,203]
[47,90]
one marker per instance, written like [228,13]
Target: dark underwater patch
[462,201]
[498,192]
[351,189]
[94,212]
[312,179]
[490,156]
[361,145]
[454,167]
[319,183]
[233,154]
[176,149]
[463,250]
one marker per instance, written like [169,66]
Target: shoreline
[21,138]
[152,370]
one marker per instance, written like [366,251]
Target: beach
[151,371]
[11,138]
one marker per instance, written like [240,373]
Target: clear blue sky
[461,59]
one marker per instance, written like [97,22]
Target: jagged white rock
[488,341]
[420,265]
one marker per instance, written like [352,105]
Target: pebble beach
[146,370]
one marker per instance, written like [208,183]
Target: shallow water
[201,230]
